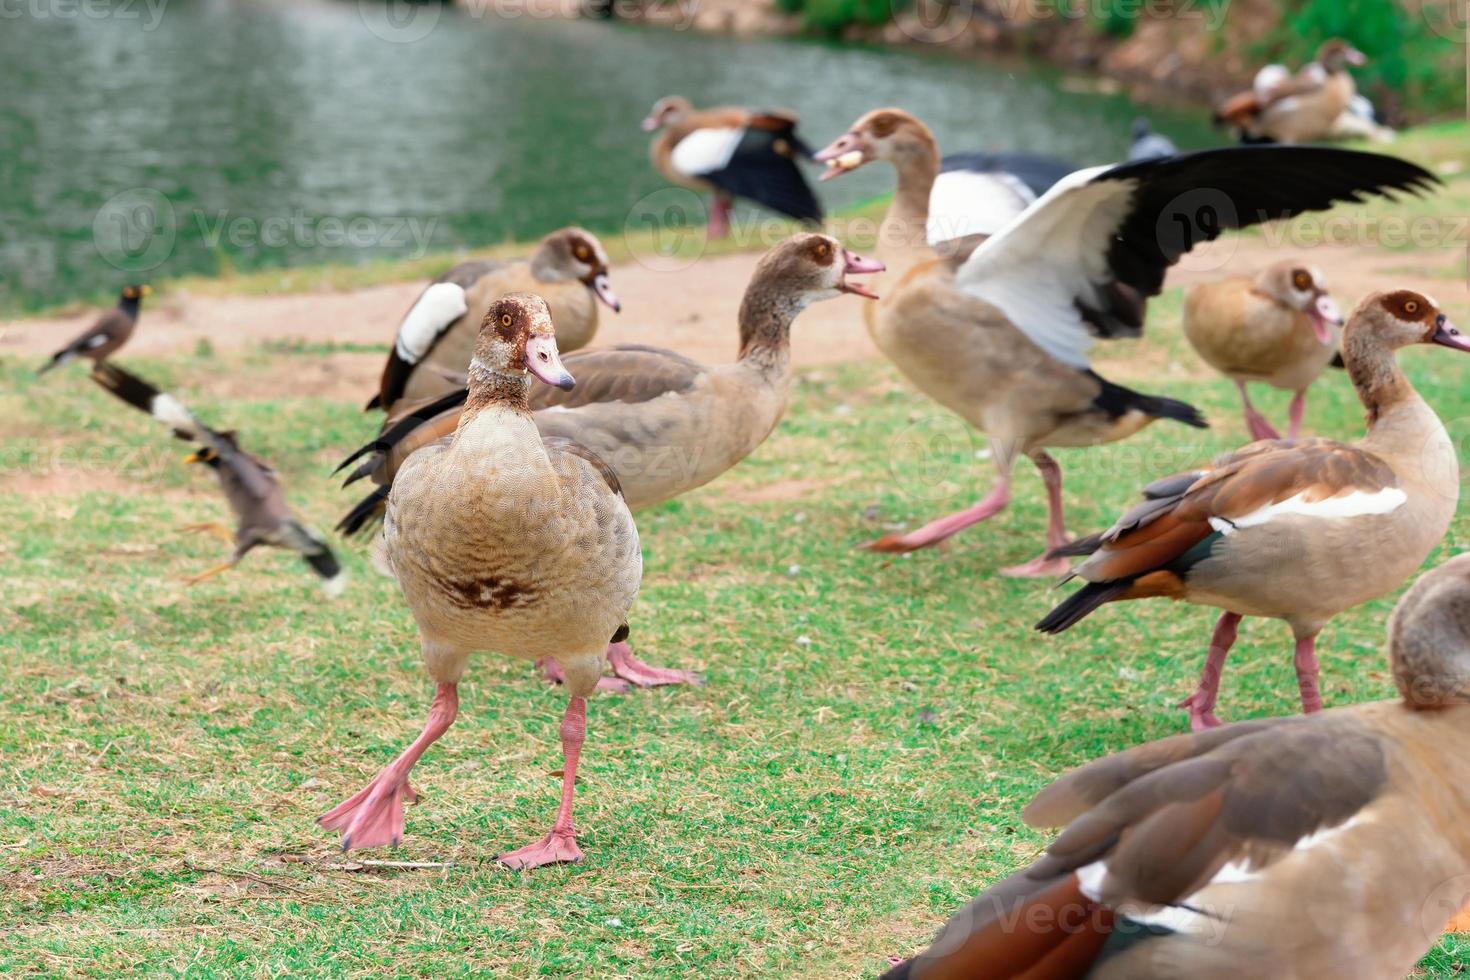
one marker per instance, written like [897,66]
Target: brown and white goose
[1286,108]
[102,339]
[665,424]
[1298,531]
[1333,845]
[999,332]
[508,541]
[730,153]
[1279,327]
[568,269]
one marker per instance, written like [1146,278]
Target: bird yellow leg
[212,528]
[211,573]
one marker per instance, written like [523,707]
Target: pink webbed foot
[936,531]
[1039,567]
[620,658]
[554,848]
[1201,712]
[1259,428]
[373,816]
[551,670]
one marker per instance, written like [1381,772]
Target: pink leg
[1201,703]
[551,670]
[936,531]
[1308,674]
[374,816]
[1056,526]
[719,219]
[561,844]
[1298,410]
[1255,422]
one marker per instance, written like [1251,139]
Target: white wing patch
[96,340]
[705,150]
[1359,503]
[171,412]
[970,202]
[1048,258]
[439,306]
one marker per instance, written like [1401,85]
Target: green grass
[853,772]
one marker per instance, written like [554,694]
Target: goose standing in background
[1145,144]
[1284,108]
[1325,846]
[252,487]
[1000,334]
[569,269]
[507,541]
[102,339]
[666,424]
[1279,326]
[1298,531]
[730,153]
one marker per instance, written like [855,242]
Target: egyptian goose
[1331,845]
[251,486]
[1279,326]
[1145,144]
[504,540]
[1298,531]
[102,339]
[569,269]
[999,334]
[1286,108]
[665,423]
[729,152]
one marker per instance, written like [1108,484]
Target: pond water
[170,138]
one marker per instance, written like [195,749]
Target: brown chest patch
[489,592]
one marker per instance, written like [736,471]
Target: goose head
[1337,54]
[575,253]
[808,268]
[883,134]
[1397,319]
[1303,288]
[666,112]
[517,338]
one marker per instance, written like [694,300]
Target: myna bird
[251,485]
[102,339]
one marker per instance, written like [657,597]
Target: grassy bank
[853,771]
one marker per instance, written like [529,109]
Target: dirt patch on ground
[692,310]
[775,491]
[76,482]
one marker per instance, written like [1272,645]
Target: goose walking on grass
[1280,327]
[507,541]
[666,424]
[1293,530]
[999,332]
[1324,846]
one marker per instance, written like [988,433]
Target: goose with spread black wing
[730,152]
[1000,334]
